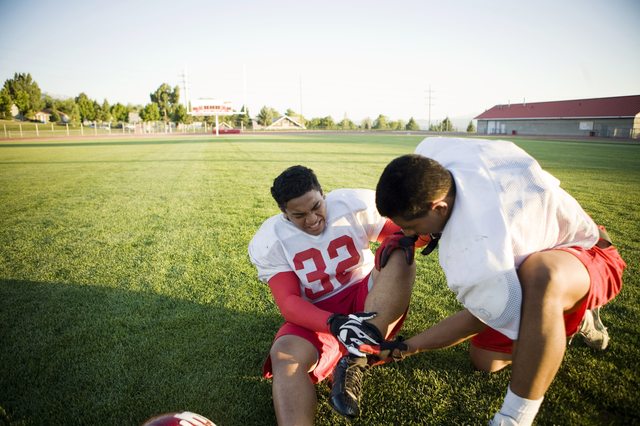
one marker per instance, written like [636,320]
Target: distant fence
[35,130]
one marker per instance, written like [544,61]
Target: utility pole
[244,88]
[429,93]
[300,93]
[185,88]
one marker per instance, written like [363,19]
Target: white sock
[522,410]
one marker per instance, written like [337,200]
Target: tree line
[24,92]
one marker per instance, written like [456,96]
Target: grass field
[126,289]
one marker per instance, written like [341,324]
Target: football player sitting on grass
[316,259]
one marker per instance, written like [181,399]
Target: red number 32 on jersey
[326,278]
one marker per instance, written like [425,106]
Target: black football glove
[396,241]
[352,331]
[386,351]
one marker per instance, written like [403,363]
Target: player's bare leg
[391,292]
[553,282]
[389,298]
[489,361]
[294,394]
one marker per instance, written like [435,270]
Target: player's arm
[450,331]
[285,288]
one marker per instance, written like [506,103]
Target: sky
[408,58]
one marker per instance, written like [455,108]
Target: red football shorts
[605,268]
[330,350]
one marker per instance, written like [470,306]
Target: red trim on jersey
[389,228]
[285,288]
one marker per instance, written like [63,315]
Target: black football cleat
[346,387]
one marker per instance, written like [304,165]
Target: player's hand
[386,351]
[353,331]
[396,241]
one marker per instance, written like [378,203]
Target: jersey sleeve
[266,252]
[362,203]
[285,288]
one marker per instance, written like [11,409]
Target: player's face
[431,223]
[308,212]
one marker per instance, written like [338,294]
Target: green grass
[126,289]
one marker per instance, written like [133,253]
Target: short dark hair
[409,184]
[293,183]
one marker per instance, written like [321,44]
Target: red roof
[616,107]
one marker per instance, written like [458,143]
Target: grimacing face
[308,212]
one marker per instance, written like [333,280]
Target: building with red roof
[604,117]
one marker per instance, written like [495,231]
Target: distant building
[604,117]
[283,123]
[15,112]
[225,126]
[134,118]
[43,116]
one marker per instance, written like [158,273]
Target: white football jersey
[506,208]
[327,263]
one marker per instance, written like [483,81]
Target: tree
[471,128]
[104,112]
[54,117]
[397,125]
[180,115]
[5,104]
[166,99]
[74,115]
[242,120]
[412,125]
[86,107]
[48,102]
[381,123]
[267,115]
[25,93]
[347,124]
[321,123]
[366,123]
[446,126]
[150,112]
[327,123]
[120,112]
[65,105]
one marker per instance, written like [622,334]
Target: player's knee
[292,354]
[539,279]
[397,264]
[553,278]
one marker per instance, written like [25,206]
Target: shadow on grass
[79,354]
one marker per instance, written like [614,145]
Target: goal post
[212,107]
